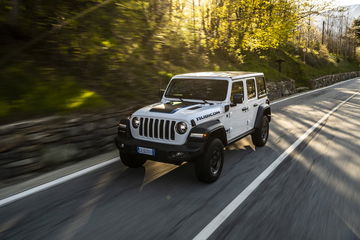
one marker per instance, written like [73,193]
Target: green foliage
[251,25]
[355,30]
[4,109]
[66,56]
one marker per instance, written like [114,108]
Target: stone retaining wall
[280,89]
[331,79]
[34,145]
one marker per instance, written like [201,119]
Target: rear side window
[250,86]
[261,87]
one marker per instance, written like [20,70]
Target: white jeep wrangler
[198,115]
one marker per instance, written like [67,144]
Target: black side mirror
[238,98]
[161,93]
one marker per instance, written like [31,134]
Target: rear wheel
[260,136]
[131,160]
[208,167]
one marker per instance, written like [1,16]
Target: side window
[251,90]
[261,87]
[237,88]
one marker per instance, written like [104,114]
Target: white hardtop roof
[216,75]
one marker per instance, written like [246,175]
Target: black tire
[131,160]
[260,136]
[208,167]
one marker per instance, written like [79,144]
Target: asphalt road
[313,194]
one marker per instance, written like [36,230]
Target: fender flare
[263,110]
[212,128]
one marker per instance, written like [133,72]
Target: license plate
[146,151]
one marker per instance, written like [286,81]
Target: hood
[173,107]
[199,112]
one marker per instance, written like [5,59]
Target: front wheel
[260,136]
[131,160]
[208,167]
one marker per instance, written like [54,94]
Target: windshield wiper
[181,100]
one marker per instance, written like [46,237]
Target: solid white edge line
[55,182]
[66,178]
[234,204]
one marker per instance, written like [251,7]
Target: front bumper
[175,154]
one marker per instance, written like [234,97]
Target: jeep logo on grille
[207,116]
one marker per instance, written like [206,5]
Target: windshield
[198,89]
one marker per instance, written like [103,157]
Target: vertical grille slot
[141,126]
[151,122]
[146,127]
[172,130]
[167,125]
[156,128]
[161,129]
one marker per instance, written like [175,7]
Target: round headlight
[181,127]
[135,122]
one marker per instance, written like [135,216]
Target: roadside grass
[40,92]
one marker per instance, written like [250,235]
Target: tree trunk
[14,13]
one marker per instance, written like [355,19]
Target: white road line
[312,91]
[234,204]
[66,178]
[58,181]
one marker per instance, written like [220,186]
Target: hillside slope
[60,57]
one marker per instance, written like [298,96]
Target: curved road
[313,194]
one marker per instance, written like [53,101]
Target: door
[251,102]
[237,113]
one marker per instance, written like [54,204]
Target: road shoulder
[11,190]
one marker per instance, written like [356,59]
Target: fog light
[177,155]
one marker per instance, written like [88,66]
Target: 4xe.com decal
[207,116]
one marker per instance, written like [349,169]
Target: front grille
[157,128]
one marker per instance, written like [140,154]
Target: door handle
[244,109]
[255,105]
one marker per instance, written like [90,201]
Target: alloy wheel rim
[264,131]
[215,161]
